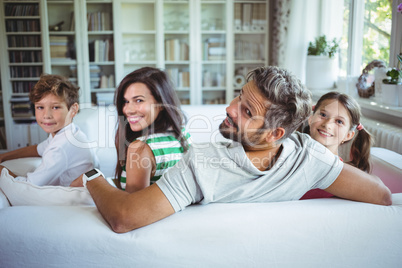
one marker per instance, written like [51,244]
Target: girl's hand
[77,182]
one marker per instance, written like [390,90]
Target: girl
[149,138]
[335,121]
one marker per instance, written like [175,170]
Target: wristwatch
[90,175]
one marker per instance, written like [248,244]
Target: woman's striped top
[167,151]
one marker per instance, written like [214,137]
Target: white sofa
[308,233]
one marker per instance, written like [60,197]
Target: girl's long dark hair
[170,117]
[362,141]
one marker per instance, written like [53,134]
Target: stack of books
[99,21]
[180,78]
[176,50]
[21,107]
[214,49]
[101,50]
[249,17]
[94,73]
[58,46]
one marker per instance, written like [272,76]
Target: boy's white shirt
[63,160]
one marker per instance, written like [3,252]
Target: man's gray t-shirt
[223,173]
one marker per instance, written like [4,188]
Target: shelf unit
[205,46]
[86,40]
[100,56]
[21,65]
[59,32]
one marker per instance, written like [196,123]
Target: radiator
[385,136]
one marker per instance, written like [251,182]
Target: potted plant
[322,65]
[392,86]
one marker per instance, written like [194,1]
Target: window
[367,26]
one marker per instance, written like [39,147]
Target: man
[265,163]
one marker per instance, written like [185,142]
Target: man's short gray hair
[291,100]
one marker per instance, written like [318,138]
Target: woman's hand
[77,182]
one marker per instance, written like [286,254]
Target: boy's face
[52,113]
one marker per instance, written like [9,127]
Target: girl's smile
[330,125]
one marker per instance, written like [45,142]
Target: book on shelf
[176,50]
[107,81]
[214,49]
[101,50]
[59,46]
[25,71]
[184,79]
[22,25]
[24,41]
[250,16]
[237,16]
[180,78]
[21,109]
[94,75]
[22,86]
[72,22]
[25,56]
[99,21]
[246,16]
[26,9]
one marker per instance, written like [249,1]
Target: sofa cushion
[3,200]
[308,233]
[21,193]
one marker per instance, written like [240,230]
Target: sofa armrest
[22,166]
[388,166]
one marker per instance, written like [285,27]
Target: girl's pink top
[317,193]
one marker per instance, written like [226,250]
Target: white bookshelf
[167,34]
[153,33]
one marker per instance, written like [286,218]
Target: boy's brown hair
[57,85]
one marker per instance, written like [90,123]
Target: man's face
[245,117]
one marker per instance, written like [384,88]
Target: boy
[56,103]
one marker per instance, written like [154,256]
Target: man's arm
[354,184]
[128,211]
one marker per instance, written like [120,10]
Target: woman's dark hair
[362,141]
[170,117]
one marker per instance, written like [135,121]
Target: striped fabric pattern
[167,151]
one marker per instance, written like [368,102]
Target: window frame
[355,36]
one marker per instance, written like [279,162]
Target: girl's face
[330,125]
[140,107]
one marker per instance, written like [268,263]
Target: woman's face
[330,125]
[140,107]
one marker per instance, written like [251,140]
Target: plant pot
[321,72]
[392,94]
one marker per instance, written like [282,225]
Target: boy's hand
[77,182]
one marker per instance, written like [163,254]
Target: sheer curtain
[295,23]
[280,11]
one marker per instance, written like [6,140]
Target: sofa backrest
[100,124]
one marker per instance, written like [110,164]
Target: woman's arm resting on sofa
[128,211]
[354,184]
